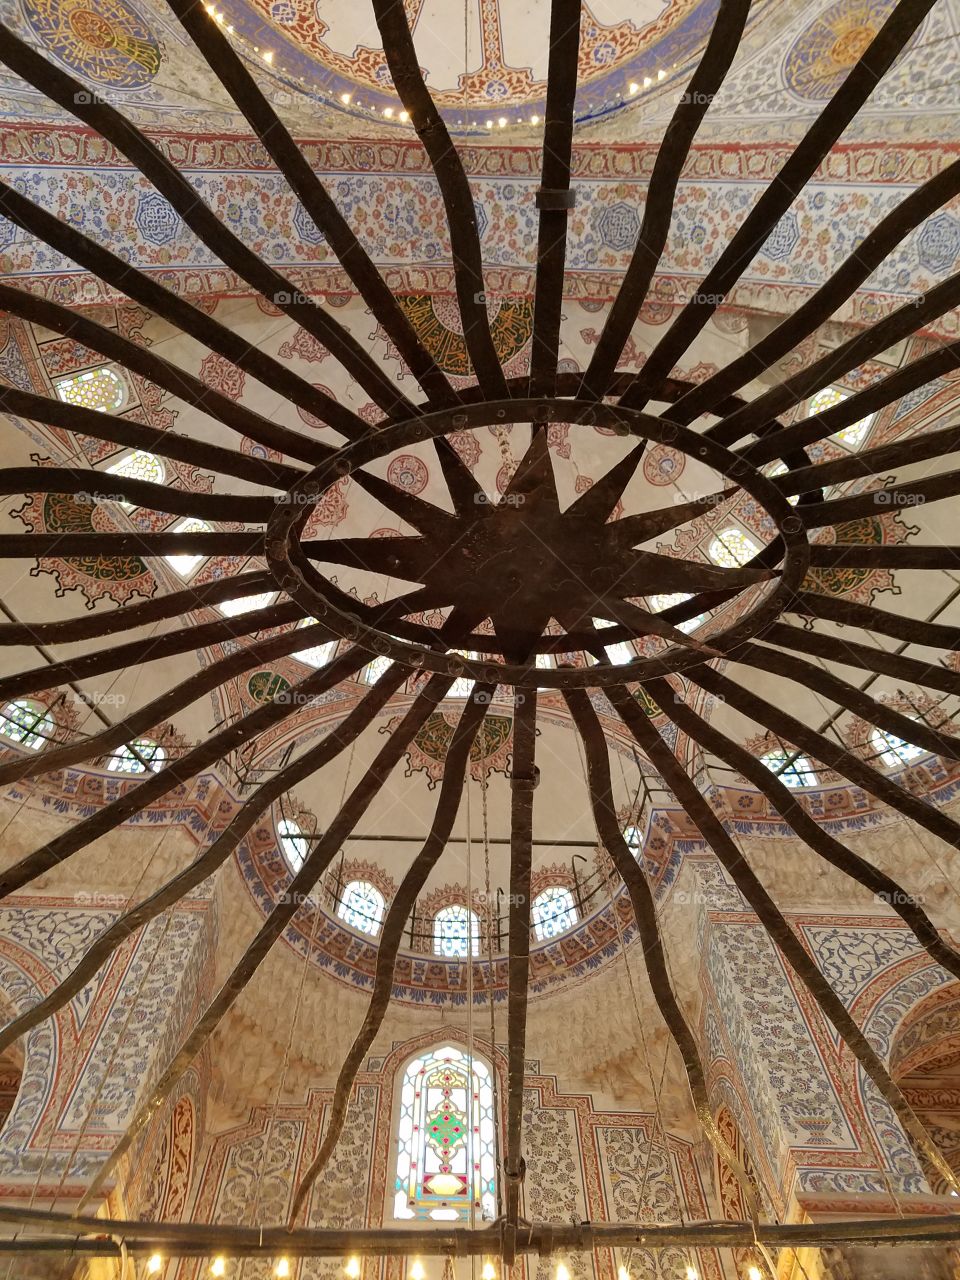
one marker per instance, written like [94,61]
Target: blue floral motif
[782,239]
[156,220]
[938,243]
[619,226]
[307,229]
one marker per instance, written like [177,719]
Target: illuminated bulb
[154,1263]
[218,1267]
[692,1273]
[502,122]
[352,1268]
[268,56]
[623,1273]
[489,124]
[661,74]
[404,116]
[230,30]
[754,1273]
[534,119]
[634,87]
[416,1270]
[345,99]
[562,1272]
[283,1268]
[647,82]
[489,1272]
[388,112]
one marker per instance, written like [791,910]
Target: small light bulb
[388,112]
[404,116]
[693,1273]
[647,82]
[218,1267]
[661,74]
[502,122]
[268,57]
[416,1270]
[489,1271]
[283,1268]
[230,30]
[754,1273]
[534,119]
[345,99]
[623,1273]
[562,1272]
[489,124]
[352,1268]
[154,1263]
[634,87]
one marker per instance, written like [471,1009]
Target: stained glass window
[27,723]
[293,843]
[452,926]
[661,603]
[894,751]
[318,655]
[732,548]
[139,465]
[185,564]
[798,773]
[553,912]
[446,1139]
[851,436]
[136,756]
[634,839]
[96,389]
[245,604]
[362,906]
[619,653]
[780,469]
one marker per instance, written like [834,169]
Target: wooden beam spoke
[863,346]
[403,557]
[554,199]
[651,941]
[834,756]
[317,861]
[466,492]
[454,189]
[869,618]
[755,229]
[639,528]
[833,555]
[424,516]
[161,708]
[448,804]
[144,289]
[74,98]
[641,620]
[313,195]
[825,301]
[523,781]
[142,360]
[14,546]
[816,837]
[160,608]
[728,26]
[214,856]
[775,440]
[910,494]
[776,926]
[105,486]
[135,435]
[176,772]
[868,657]
[648,573]
[135,653]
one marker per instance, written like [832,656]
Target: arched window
[293,843]
[245,604]
[139,465]
[798,773]
[851,436]
[186,564]
[446,1139]
[634,839]
[660,604]
[318,655]
[732,548]
[101,389]
[452,927]
[362,907]
[27,723]
[553,912]
[462,687]
[894,751]
[137,757]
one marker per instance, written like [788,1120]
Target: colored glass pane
[29,724]
[139,465]
[293,843]
[452,927]
[446,1139]
[372,672]
[137,756]
[362,906]
[245,604]
[661,603]
[894,751]
[96,389]
[732,548]
[553,912]
[851,436]
[619,653]
[798,773]
[318,655]
[185,564]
